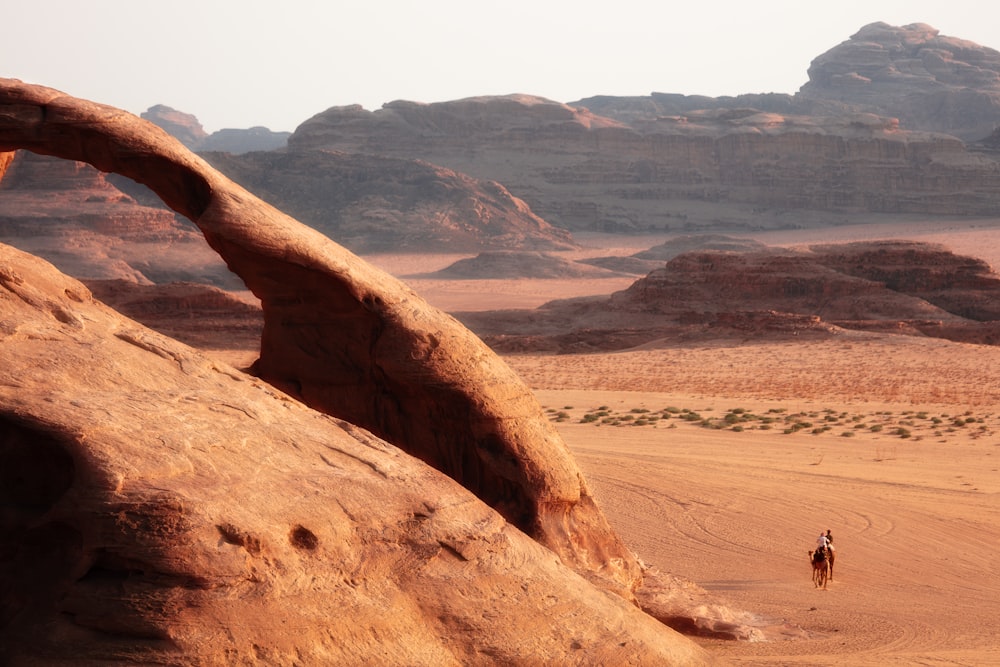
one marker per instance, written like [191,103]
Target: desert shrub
[561,416]
[902,432]
[874,428]
[847,434]
[672,410]
[588,418]
[638,411]
[739,429]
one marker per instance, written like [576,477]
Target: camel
[821,569]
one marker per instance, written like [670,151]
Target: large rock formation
[180,533]
[927,80]
[158,507]
[722,168]
[378,204]
[188,130]
[82,221]
[890,286]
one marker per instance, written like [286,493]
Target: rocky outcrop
[239,141]
[159,507]
[929,81]
[180,539]
[513,265]
[926,80]
[378,204]
[81,220]
[45,196]
[187,129]
[720,169]
[892,286]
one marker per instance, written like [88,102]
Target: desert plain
[721,461]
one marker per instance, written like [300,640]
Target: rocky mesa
[820,291]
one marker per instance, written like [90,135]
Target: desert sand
[891,442]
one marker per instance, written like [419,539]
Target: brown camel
[821,568]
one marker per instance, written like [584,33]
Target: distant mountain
[187,129]
[899,121]
[371,203]
[715,169]
[928,81]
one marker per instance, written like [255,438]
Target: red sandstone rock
[159,507]
[180,534]
[894,286]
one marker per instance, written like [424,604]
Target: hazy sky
[240,63]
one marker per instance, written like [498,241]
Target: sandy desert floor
[722,462]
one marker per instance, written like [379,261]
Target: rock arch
[348,339]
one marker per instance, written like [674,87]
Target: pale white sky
[240,63]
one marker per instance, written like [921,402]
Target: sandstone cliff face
[719,168]
[197,540]
[377,204]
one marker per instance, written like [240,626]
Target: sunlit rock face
[208,517]
[159,507]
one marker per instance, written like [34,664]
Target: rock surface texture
[159,507]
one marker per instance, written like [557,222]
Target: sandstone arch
[348,339]
[159,507]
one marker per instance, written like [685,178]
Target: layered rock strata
[706,169]
[887,286]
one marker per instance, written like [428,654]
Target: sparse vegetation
[908,424]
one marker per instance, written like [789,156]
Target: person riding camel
[829,540]
[822,542]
